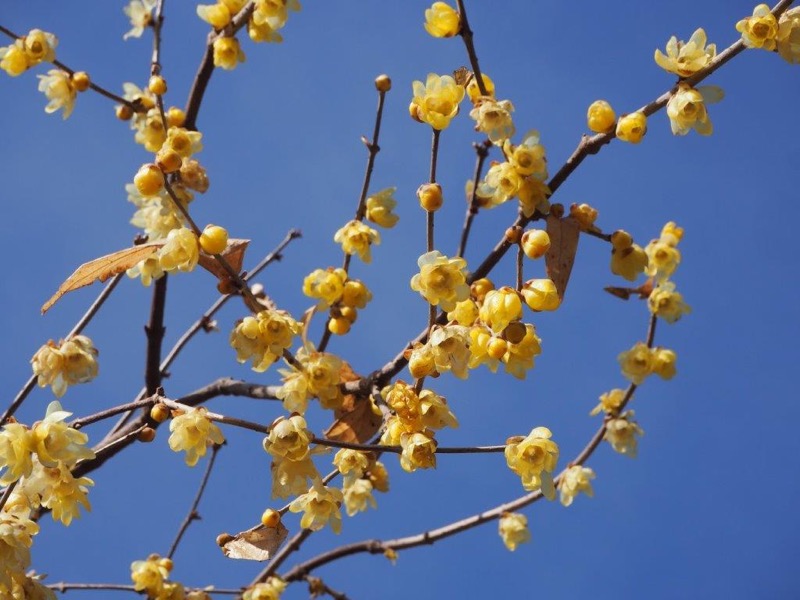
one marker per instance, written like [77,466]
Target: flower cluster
[192,432]
[263,338]
[314,374]
[357,487]
[534,459]
[67,363]
[28,51]
[640,361]
[288,443]
[150,576]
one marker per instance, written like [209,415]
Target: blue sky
[707,509]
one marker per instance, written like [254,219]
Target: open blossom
[295,391]
[500,307]
[435,412]
[181,251]
[447,350]
[629,262]
[575,480]
[663,255]
[59,490]
[686,108]
[686,58]
[358,496]
[529,157]
[68,363]
[441,280]
[664,363]
[419,451]
[519,357]
[436,101]
[609,402]
[60,91]
[227,53]
[262,338]
[636,363]
[759,30]
[789,36]
[320,506]
[357,238]
[351,464]
[323,373]
[666,303]
[150,575]
[380,206]
[442,20]
[326,285]
[16,539]
[501,183]
[56,442]
[271,589]
[16,450]
[148,270]
[493,118]
[513,529]
[622,434]
[292,477]
[273,13]
[192,432]
[40,47]
[534,459]
[140,14]
[289,438]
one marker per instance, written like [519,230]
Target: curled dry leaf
[233,254]
[358,420]
[102,268]
[564,235]
[258,543]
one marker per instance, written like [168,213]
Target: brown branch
[65,587]
[154,330]
[76,330]
[110,412]
[7,494]
[316,587]
[193,515]
[466,35]
[482,150]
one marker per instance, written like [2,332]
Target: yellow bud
[584,214]
[166,563]
[600,116]
[124,112]
[430,196]
[621,239]
[175,117]
[168,160]
[497,348]
[535,243]
[81,81]
[149,180]
[339,326]
[159,413]
[513,234]
[383,83]
[541,294]
[413,111]
[480,287]
[214,239]
[349,313]
[271,518]
[146,435]
[157,85]
[632,127]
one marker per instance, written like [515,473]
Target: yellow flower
[501,307]
[474,92]
[663,259]
[789,36]
[435,412]
[57,86]
[192,432]
[157,218]
[150,575]
[194,176]
[575,480]
[40,47]
[379,476]
[14,61]
[323,373]
[60,491]
[149,270]
[263,338]
[666,303]
[357,238]
[227,53]
[632,127]
[421,361]
[664,363]
[686,58]
[355,294]
[150,131]
[533,196]
[535,243]
[320,506]
[140,14]
[622,434]
[217,15]
[629,262]
[541,295]
[16,449]
[436,101]
[352,464]
[325,285]
[294,392]
[465,313]
[534,459]
[636,363]
[181,252]
[289,438]
[502,182]
[493,118]
[442,20]
[419,452]
[404,401]
[291,477]
[449,347]
[55,442]
[357,496]
[528,158]
[513,529]
[686,108]
[273,13]
[183,142]
[600,117]
[760,30]
[380,206]
[518,359]
[609,402]
[271,589]
[441,280]
[70,362]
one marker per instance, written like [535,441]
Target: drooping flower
[436,101]
[622,434]
[629,262]
[686,58]
[609,402]
[686,108]
[436,414]
[320,507]
[575,480]
[60,491]
[358,496]
[357,238]
[192,432]
[181,252]
[140,14]
[56,442]
[58,87]
[16,450]
[289,438]
[449,349]
[380,206]
[40,46]
[326,285]
[271,589]
[636,363]
[442,20]
[67,363]
[263,338]
[149,575]
[666,303]
[493,118]
[500,307]
[534,459]
[789,36]
[513,529]
[227,53]
[419,451]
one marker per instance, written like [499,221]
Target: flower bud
[168,160]
[632,127]
[430,196]
[214,239]
[149,180]
[535,243]
[271,518]
[541,294]
[81,81]
[621,239]
[124,112]
[600,117]
[175,117]
[383,83]
[159,413]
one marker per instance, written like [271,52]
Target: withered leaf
[102,268]
[258,543]
[564,235]
[357,423]
[233,253]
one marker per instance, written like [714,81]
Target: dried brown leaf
[233,253]
[357,421]
[564,235]
[258,543]
[100,269]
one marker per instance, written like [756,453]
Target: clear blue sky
[708,509]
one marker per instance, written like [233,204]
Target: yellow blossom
[227,53]
[16,539]
[541,295]
[60,491]
[273,13]
[465,313]
[13,59]
[513,529]
[192,432]
[686,108]
[379,476]
[449,346]
[759,30]
[40,47]
[421,361]
[632,127]
[217,15]
[70,362]
[686,58]
[436,101]
[295,391]
[140,14]
[575,480]
[289,438]
[357,496]
[500,307]
[419,452]
[325,285]
[60,91]
[534,459]
[352,464]
[379,208]
[16,449]
[271,589]
[54,441]
[441,280]
[263,338]
[474,92]
[600,117]
[636,363]
[442,20]
[622,434]
[502,182]
[404,401]
[184,142]
[150,131]
[150,575]
[609,402]
[535,243]
[789,36]
[629,262]
[519,358]
[357,238]
[529,157]
[148,269]
[355,294]
[435,412]
[181,252]
[663,259]
[666,303]
[291,477]
[493,118]
[664,363]
[320,506]
[533,196]
[194,176]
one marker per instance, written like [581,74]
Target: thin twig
[7,494]
[316,587]
[154,330]
[193,515]
[65,587]
[520,265]
[482,150]
[466,35]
